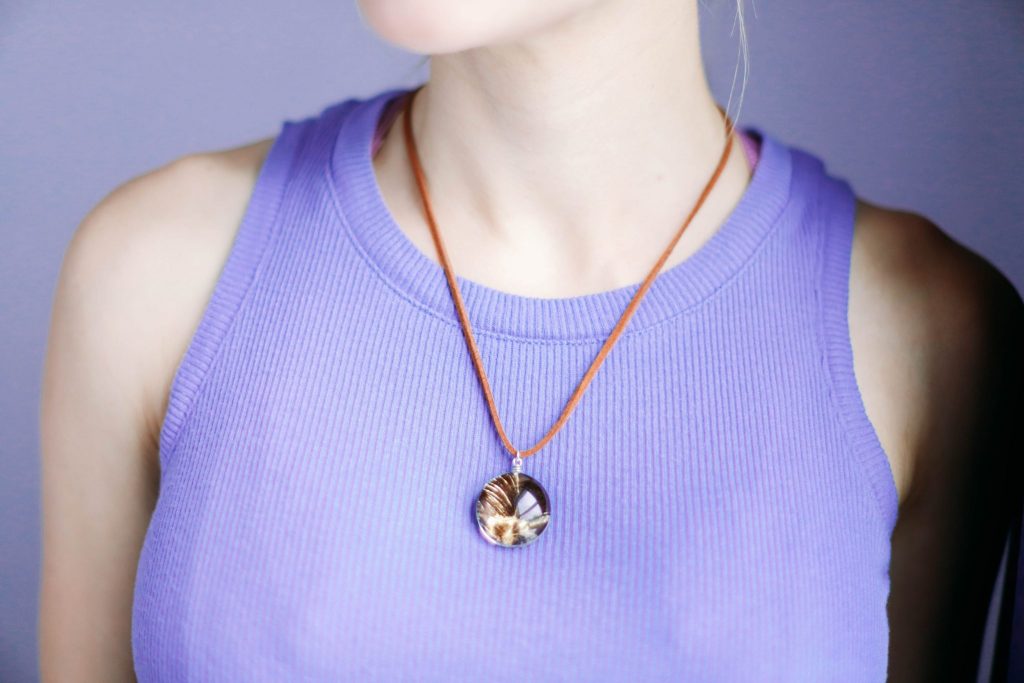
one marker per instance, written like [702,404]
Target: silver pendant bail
[517,463]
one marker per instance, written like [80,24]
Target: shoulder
[939,321]
[943,284]
[159,202]
[912,252]
[142,263]
[186,198]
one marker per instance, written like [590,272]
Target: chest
[316,513]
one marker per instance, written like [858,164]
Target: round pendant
[512,510]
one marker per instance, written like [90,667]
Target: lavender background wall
[917,103]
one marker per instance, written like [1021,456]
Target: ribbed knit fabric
[721,507]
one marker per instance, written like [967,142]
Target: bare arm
[133,284]
[947,548]
[961,331]
[98,450]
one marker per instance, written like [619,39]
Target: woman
[266,440]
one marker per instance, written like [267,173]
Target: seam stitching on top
[188,401]
[840,410]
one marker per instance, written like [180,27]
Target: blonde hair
[743,56]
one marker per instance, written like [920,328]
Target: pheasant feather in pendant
[512,508]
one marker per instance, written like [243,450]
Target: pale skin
[525,106]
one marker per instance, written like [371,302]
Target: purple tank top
[721,507]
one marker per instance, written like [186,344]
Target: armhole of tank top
[835,254]
[233,284]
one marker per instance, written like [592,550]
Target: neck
[575,153]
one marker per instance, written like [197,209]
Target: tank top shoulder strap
[296,150]
[829,205]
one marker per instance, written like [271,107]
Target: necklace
[513,509]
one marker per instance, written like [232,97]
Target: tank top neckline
[587,318]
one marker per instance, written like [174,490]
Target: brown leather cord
[619,327]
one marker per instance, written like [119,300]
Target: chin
[444,26]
